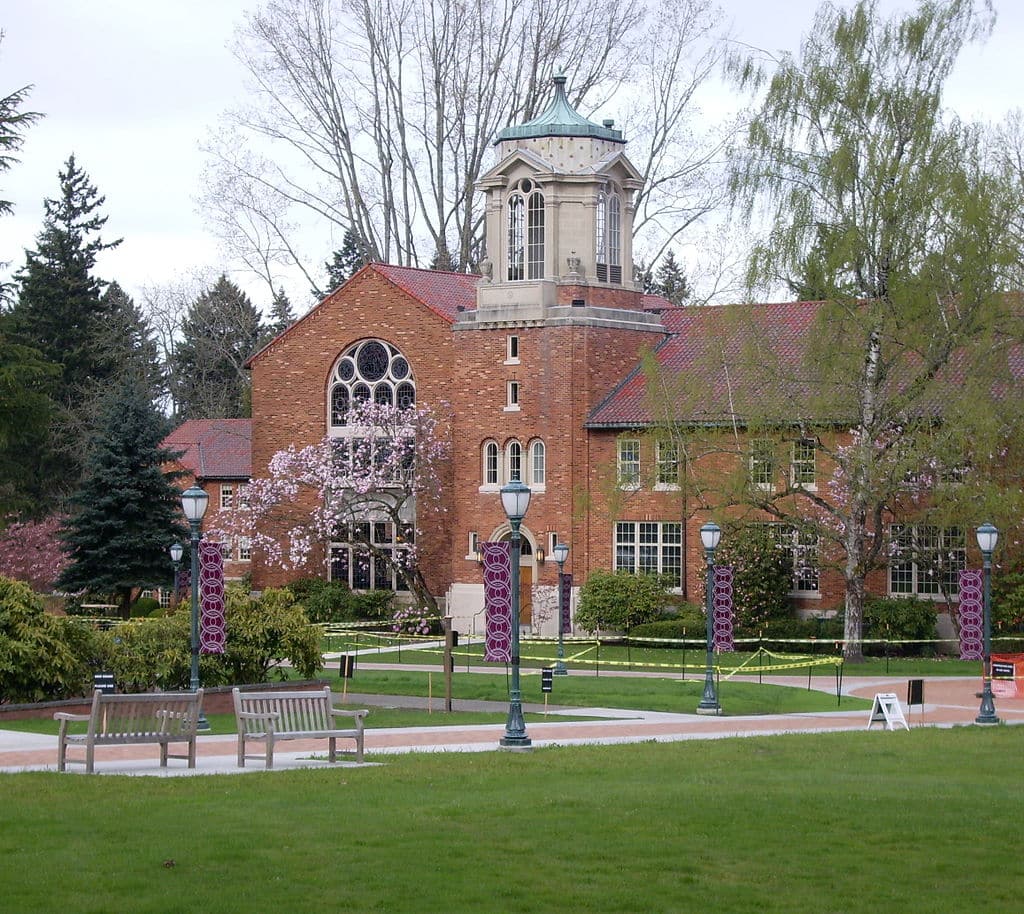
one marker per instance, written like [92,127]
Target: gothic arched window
[370,370]
[608,236]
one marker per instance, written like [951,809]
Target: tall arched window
[515,461]
[370,370]
[608,237]
[491,464]
[525,232]
[538,469]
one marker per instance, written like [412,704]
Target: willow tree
[854,167]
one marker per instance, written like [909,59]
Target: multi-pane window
[227,495]
[367,560]
[525,232]
[629,461]
[244,549]
[803,466]
[490,475]
[608,237]
[538,469]
[926,560]
[762,463]
[667,458]
[372,370]
[649,547]
[802,546]
[515,461]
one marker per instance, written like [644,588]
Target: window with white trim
[512,350]
[512,399]
[926,560]
[367,558]
[227,495]
[491,464]
[538,469]
[762,463]
[244,549]
[515,461]
[803,469]
[525,232]
[802,546]
[628,462]
[608,237]
[650,547]
[667,460]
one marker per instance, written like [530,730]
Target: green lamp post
[515,499]
[193,502]
[560,553]
[988,536]
[710,534]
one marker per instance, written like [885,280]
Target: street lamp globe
[193,502]
[177,550]
[988,536]
[560,553]
[515,499]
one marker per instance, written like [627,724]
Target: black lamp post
[710,534]
[561,553]
[515,499]
[193,502]
[176,551]
[987,538]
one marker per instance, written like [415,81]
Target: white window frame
[538,464]
[648,547]
[804,458]
[513,392]
[227,495]
[490,475]
[666,458]
[627,463]
[513,457]
[913,577]
[803,548]
[512,349]
[244,549]
[762,463]
[390,541]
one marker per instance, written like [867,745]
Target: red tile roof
[214,448]
[444,293]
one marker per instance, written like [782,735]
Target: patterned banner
[497,602]
[721,597]
[972,615]
[566,585]
[212,624]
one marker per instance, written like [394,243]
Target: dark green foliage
[41,657]
[220,332]
[762,576]
[670,280]
[689,623]
[1008,599]
[147,654]
[128,344]
[618,601]
[345,262]
[281,316]
[900,619]
[126,511]
[145,606]
[332,601]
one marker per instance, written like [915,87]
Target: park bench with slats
[160,718]
[269,717]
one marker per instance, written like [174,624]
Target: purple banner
[972,616]
[721,597]
[497,602]
[212,623]
[566,586]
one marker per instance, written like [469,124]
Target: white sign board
[886,710]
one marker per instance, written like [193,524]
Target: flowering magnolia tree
[32,552]
[366,491]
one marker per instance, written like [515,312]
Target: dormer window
[608,237]
[525,232]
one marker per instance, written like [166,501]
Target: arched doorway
[527,572]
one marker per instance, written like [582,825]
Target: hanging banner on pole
[971,615]
[212,621]
[566,585]
[721,597]
[497,602]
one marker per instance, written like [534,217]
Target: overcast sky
[132,87]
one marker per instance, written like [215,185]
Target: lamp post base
[987,712]
[713,710]
[560,669]
[515,742]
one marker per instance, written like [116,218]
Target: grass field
[859,823]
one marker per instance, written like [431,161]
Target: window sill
[629,486]
[805,594]
[666,487]
[805,486]
[511,409]
[511,362]
[490,487]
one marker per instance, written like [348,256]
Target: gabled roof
[710,346]
[214,448]
[442,292]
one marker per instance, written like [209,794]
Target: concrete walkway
[949,702]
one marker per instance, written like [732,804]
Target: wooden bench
[269,717]
[126,720]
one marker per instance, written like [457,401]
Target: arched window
[370,370]
[538,469]
[515,461]
[490,464]
[525,232]
[608,237]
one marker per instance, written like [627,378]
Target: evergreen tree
[670,280]
[60,309]
[281,316]
[126,512]
[129,344]
[345,262]
[220,332]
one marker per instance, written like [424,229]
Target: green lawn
[858,823]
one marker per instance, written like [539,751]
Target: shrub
[619,601]
[42,657]
[762,577]
[145,606]
[332,601]
[899,619]
[1008,600]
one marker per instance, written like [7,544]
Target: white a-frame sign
[886,710]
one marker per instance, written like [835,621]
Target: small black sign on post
[104,682]
[915,694]
[547,679]
[348,666]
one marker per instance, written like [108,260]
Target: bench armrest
[344,712]
[65,715]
